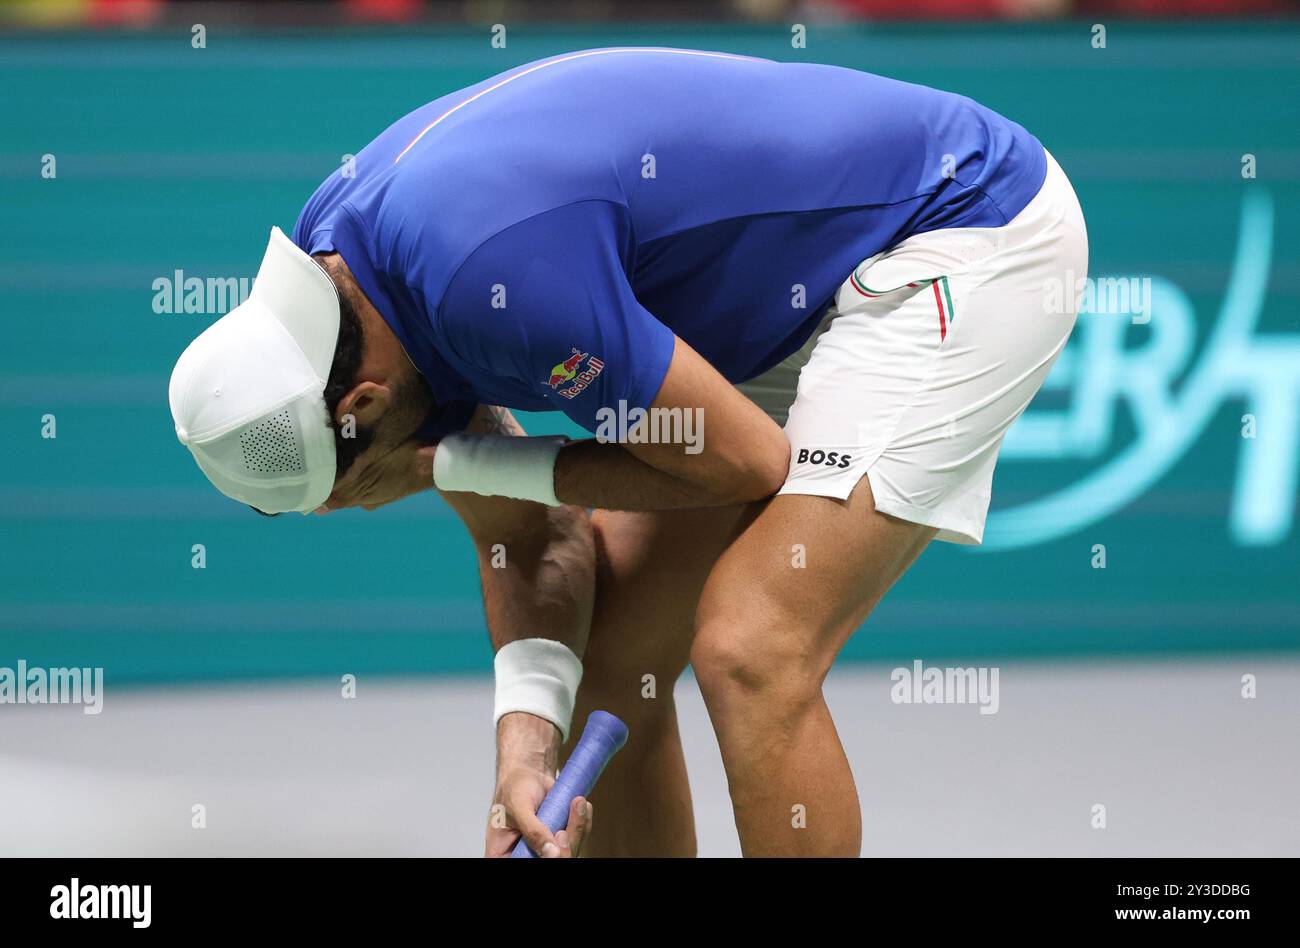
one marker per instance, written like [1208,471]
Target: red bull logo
[570,371]
[564,371]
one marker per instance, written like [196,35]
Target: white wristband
[498,465]
[539,676]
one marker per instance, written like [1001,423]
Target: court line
[1035,620]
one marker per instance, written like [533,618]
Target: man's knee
[757,665]
[640,685]
[636,684]
[645,604]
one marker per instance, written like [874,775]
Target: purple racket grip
[601,740]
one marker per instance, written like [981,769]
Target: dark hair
[348,354]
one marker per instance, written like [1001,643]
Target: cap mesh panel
[271,446]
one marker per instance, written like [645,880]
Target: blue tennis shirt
[536,240]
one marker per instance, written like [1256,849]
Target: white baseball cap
[247,395]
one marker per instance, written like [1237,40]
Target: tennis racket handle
[601,740]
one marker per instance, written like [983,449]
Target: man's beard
[348,449]
[412,402]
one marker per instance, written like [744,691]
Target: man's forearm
[537,564]
[538,584]
[609,476]
[537,567]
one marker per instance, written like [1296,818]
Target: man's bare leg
[651,568]
[768,632]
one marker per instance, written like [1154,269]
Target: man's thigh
[806,573]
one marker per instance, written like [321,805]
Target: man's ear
[366,402]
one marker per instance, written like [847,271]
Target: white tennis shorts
[929,353]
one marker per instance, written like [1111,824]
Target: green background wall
[174,158]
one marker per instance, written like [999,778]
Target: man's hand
[382,475]
[527,749]
[514,813]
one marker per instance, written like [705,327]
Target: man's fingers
[580,814]
[501,833]
[560,849]
[534,831]
[500,842]
[347,494]
[356,485]
[568,842]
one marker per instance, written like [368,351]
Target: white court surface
[1184,765]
